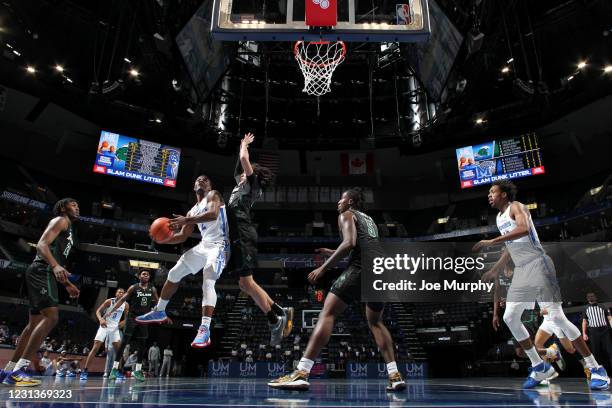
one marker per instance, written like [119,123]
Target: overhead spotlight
[510,60]
[159,36]
[158,120]
[31,69]
[190,111]
[480,121]
[69,80]
[134,73]
[505,70]
[9,45]
[607,69]
[59,68]
[569,78]
[17,53]
[582,64]
[127,60]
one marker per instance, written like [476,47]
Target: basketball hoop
[318,60]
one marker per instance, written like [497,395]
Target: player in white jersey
[534,280]
[209,255]
[109,328]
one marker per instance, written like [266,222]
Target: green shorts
[42,287]
[348,288]
[243,256]
[134,330]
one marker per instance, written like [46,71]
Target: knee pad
[512,318]
[558,317]
[177,273]
[209,294]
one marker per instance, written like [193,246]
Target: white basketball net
[318,61]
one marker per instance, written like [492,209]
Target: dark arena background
[422,104]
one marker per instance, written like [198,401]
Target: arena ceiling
[99,43]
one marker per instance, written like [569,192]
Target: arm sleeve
[584,315]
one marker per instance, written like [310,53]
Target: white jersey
[524,249]
[112,322]
[214,231]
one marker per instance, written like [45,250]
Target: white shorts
[551,328]
[210,258]
[112,333]
[535,281]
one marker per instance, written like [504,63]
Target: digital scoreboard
[137,159]
[510,158]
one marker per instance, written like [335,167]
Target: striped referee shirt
[596,316]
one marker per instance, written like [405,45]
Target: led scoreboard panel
[511,158]
[137,159]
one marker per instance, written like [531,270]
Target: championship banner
[321,13]
[379,370]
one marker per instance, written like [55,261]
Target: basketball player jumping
[534,280]
[209,256]
[109,328]
[41,277]
[359,234]
[251,180]
[140,297]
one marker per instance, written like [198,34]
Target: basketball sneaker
[202,339]
[396,382]
[154,316]
[20,378]
[115,374]
[599,379]
[71,374]
[556,356]
[138,375]
[60,373]
[539,373]
[84,375]
[2,375]
[297,380]
[277,329]
[289,326]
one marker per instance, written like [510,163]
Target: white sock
[116,364]
[21,364]
[591,362]
[533,355]
[206,321]
[550,353]
[9,366]
[138,367]
[305,365]
[581,361]
[161,305]
[392,368]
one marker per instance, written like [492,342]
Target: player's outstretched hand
[177,222]
[315,275]
[325,251]
[248,138]
[482,244]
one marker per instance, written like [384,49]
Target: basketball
[160,230]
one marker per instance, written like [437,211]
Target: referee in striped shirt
[598,320]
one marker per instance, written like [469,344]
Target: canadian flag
[357,163]
[321,13]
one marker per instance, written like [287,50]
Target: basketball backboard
[357,20]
